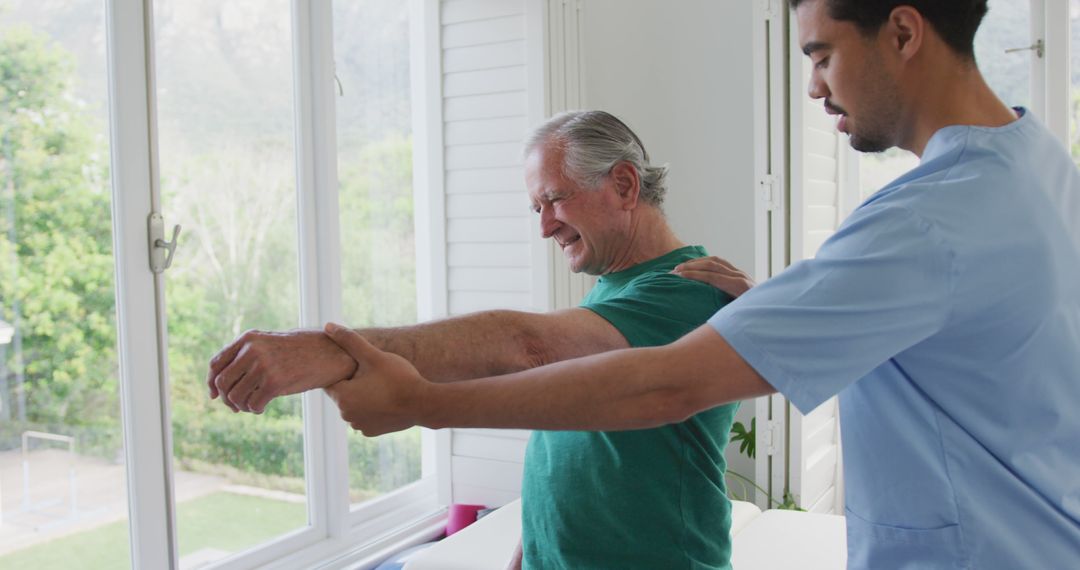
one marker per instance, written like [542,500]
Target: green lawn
[222,521]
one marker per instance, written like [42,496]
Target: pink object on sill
[461,516]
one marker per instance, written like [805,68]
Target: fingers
[337,393]
[367,422]
[258,399]
[334,391]
[351,342]
[708,263]
[220,361]
[711,277]
[722,282]
[243,390]
[716,272]
[227,379]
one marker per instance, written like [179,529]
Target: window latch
[161,251]
[1038,47]
[767,188]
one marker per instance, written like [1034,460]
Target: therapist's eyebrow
[810,47]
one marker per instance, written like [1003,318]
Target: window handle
[1039,47]
[161,251]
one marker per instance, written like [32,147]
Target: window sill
[377,530]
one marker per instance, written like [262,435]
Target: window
[375,165]
[102,362]
[225,146]
[61,449]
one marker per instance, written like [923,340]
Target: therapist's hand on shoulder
[384,394]
[259,366]
[719,273]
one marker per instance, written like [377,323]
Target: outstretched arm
[618,390]
[260,366]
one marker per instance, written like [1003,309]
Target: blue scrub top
[945,312]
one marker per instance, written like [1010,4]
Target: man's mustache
[829,106]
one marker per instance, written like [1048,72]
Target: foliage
[271,446]
[382,464]
[748,448]
[378,267]
[274,446]
[746,439]
[787,504]
[56,244]
[236,269]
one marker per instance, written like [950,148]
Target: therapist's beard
[866,134]
[879,126]
[869,143]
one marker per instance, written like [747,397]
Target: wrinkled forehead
[544,173]
[538,174]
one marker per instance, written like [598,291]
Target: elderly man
[945,312]
[637,499]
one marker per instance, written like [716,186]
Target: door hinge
[770,9]
[767,192]
[770,438]
[161,251]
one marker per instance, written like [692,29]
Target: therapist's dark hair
[956,21]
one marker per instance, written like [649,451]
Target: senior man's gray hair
[593,142]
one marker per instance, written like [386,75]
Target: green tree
[378,257]
[56,245]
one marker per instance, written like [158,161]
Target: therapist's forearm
[619,390]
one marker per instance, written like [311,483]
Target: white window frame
[1051,74]
[143,386]
[336,533]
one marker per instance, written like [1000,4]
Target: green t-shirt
[653,498]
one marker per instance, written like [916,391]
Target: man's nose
[548,223]
[817,88]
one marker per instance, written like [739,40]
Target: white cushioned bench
[761,540]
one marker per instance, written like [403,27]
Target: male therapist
[653,498]
[945,312]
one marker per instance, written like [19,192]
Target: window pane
[371,46]
[225,118]
[63,496]
[1007,26]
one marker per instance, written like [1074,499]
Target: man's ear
[627,184]
[906,29]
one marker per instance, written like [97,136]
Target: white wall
[679,73]
[484,113]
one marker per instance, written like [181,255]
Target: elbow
[533,350]
[680,405]
[667,405]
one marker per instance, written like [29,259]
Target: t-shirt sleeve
[660,309]
[878,286]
